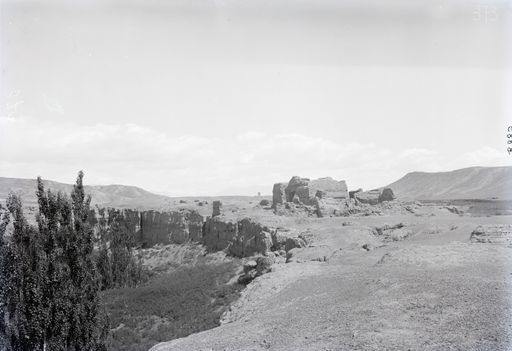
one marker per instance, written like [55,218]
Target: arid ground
[420,285]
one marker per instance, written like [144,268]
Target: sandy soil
[423,286]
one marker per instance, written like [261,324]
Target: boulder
[292,243]
[278,194]
[248,277]
[368,247]
[253,269]
[264,265]
[278,240]
[264,202]
[250,265]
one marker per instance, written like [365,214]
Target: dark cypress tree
[49,297]
[5,264]
[85,332]
[54,220]
[22,277]
[103,260]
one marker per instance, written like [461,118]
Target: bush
[264,202]
[170,306]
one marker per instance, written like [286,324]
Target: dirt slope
[466,183]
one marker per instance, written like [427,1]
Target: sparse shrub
[264,202]
[170,306]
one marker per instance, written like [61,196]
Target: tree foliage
[117,263]
[50,294]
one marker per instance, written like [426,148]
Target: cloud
[199,165]
[487,155]
[53,105]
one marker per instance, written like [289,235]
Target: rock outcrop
[169,227]
[294,242]
[253,269]
[217,205]
[218,234]
[321,253]
[241,238]
[492,234]
[252,238]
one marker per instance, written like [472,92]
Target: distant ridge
[465,183]
[486,183]
[122,196]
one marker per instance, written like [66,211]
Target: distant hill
[103,195]
[466,183]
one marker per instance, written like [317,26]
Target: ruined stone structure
[308,192]
[278,194]
[352,194]
[375,196]
[293,185]
[329,188]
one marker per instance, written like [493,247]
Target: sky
[225,97]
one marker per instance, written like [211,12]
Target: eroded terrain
[400,280]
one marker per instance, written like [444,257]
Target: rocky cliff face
[241,238]
[153,227]
[175,227]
